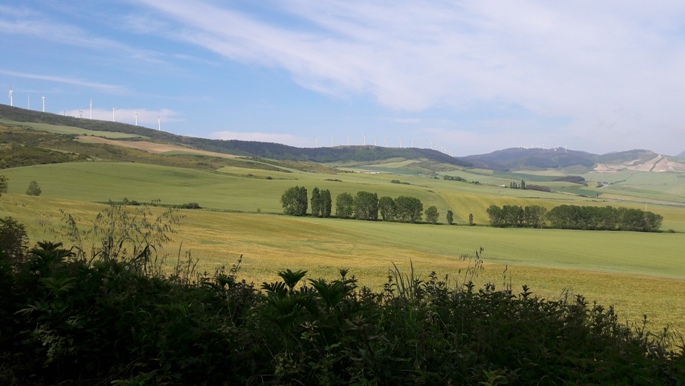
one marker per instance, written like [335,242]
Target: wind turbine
[113,114]
[136,113]
[364,136]
[11,94]
[159,123]
[316,141]
[43,104]
[91,108]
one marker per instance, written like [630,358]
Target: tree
[13,239]
[34,189]
[387,207]
[326,203]
[408,209]
[366,206]
[470,218]
[523,185]
[432,214]
[294,201]
[3,185]
[449,217]
[316,203]
[344,205]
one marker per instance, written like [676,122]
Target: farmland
[242,217]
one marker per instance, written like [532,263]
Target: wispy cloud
[580,60]
[21,21]
[107,88]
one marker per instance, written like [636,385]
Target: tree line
[575,217]
[361,206]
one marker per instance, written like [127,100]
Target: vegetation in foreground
[104,312]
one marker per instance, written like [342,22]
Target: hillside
[514,159]
[235,147]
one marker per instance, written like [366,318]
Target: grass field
[70,130]
[639,273]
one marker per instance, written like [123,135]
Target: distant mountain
[559,158]
[236,147]
[681,155]
[520,159]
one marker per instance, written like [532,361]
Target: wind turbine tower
[43,104]
[11,97]
[136,113]
[113,114]
[159,124]
[91,109]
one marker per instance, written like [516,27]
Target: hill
[242,148]
[681,155]
[514,159]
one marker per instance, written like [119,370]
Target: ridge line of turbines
[11,97]
[432,145]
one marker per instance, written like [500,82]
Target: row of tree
[575,217]
[517,216]
[604,218]
[362,206]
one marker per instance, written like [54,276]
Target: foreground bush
[65,320]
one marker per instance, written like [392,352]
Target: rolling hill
[18,116]
[514,159]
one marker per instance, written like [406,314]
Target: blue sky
[464,77]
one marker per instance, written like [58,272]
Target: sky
[463,77]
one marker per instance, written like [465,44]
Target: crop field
[639,273]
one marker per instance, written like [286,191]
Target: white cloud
[108,88]
[582,60]
[286,139]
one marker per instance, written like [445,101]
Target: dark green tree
[432,215]
[3,185]
[316,203]
[470,218]
[33,189]
[326,203]
[450,217]
[344,205]
[13,239]
[523,184]
[366,206]
[294,201]
[408,209]
[387,207]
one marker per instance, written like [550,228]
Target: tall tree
[316,202]
[344,205]
[408,209]
[294,201]
[3,185]
[387,207]
[432,214]
[450,217]
[326,203]
[366,206]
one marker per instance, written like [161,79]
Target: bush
[33,189]
[71,321]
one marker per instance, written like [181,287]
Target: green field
[610,267]
[69,130]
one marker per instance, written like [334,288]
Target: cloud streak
[108,88]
